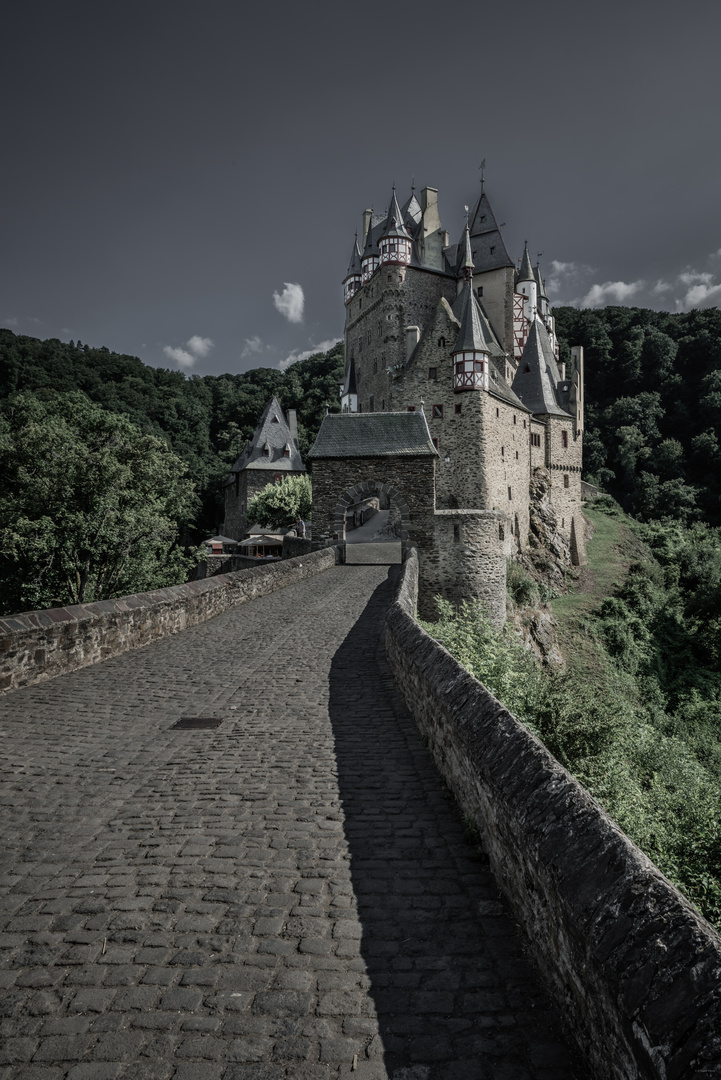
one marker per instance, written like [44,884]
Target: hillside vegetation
[636,713]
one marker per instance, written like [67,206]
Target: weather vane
[482,167]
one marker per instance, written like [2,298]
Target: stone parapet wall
[634,967]
[37,645]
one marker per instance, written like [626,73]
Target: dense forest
[206,420]
[653,407]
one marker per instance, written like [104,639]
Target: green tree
[278,505]
[90,506]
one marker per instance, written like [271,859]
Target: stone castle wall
[466,561]
[38,645]
[632,965]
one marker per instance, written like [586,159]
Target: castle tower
[371,254]
[471,350]
[395,241]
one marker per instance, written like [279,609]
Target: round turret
[527,285]
[354,278]
[395,241]
[471,350]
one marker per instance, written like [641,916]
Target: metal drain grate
[197,723]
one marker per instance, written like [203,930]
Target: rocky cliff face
[547,563]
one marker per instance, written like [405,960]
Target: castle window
[370,404]
[479,291]
[564,440]
[432,373]
[411,408]
[497,412]
[510,494]
[435,443]
[383,406]
[437,412]
[501,533]
[535,439]
[491,250]
[286,451]
[456,534]
[503,450]
[566,480]
[457,409]
[441,343]
[516,455]
[514,418]
[524,425]
[375,366]
[483,217]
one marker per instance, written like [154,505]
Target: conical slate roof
[349,382]
[525,272]
[272,431]
[540,282]
[537,376]
[394,221]
[465,253]
[371,244]
[472,334]
[354,267]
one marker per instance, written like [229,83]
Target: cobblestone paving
[288,896]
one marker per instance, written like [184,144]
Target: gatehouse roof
[386,434]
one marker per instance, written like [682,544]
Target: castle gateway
[457,335]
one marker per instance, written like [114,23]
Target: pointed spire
[394,221]
[539,281]
[489,249]
[471,336]
[525,272]
[354,266]
[371,245]
[466,267]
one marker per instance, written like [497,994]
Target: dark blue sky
[169,166]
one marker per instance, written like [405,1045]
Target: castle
[457,334]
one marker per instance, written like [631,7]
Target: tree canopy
[90,506]
[278,505]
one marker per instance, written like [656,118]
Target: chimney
[413,334]
[429,197]
[293,426]
[367,217]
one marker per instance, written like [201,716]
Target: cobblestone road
[288,896]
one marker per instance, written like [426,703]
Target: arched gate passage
[380,539]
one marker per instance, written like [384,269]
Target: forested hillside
[653,407]
[206,420]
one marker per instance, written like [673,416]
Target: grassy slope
[611,550]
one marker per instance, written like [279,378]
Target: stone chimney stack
[293,426]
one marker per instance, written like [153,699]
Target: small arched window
[441,343]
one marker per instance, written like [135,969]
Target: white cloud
[290,302]
[253,346]
[661,287]
[297,354]
[201,346]
[566,277]
[695,277]
[196,346]
[181,356]
[10,322]
[715,254]
[611,292]
[703,294]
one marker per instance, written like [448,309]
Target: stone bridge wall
[38,645]
[636,970]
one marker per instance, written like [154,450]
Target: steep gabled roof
[412,212]
[348,435]
[272,431]
[537,376]
[489,250]
[354,266]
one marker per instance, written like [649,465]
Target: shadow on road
[454,997]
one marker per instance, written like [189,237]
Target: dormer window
[286,451]
[266,450]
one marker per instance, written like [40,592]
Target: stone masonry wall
[466,561]
[633,965]
[38,645]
